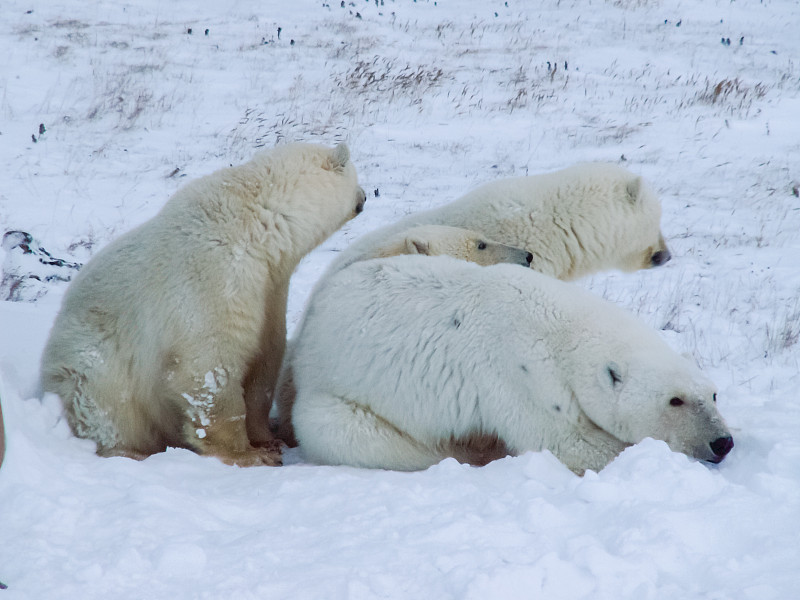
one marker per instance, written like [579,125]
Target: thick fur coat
[174,332]
[427,240]
[405,361]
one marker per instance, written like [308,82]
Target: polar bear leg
[258,393]
[215,421]
[263,370]
[588,447]
[333,430]
[102,403]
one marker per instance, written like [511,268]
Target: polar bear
[443,240]
[176,330]
[405,361]
[576,221]
[428,240]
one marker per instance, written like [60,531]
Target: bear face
[643,248]
[464,244]
[327,177]
[681,411]
[606,218]
[337,173]
[644,389]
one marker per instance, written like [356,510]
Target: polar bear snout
[361,198]
[660,257]
[720,447]
[529,258]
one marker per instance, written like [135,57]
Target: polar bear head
[644,389]
[312,187]
[464,244]
[646,245]
[606,218]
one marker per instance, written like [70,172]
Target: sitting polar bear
[405,361]
[577,221]
[175,331]
[428,240]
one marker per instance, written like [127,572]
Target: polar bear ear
[634,189]
[340,156]
[417,246]
[614,375]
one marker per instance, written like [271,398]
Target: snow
[433,99]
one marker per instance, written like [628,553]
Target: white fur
[576,221]
[399,357]
[428,240]
[170,330]
[443,240]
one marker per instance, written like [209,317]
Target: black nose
[529,257]
[660,257]
[721,446]
[362,198]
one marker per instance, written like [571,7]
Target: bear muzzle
[721,447]
[660,257]
[361,199]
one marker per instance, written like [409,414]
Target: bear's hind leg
[90,414]
[333,430]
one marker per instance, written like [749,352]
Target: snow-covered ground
[106,108]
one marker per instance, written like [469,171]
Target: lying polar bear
[404,361]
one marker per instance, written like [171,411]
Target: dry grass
[731,92]
[386,77]
[124,95]
[784,332]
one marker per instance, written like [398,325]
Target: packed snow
[107,108]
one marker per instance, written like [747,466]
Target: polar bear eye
[714,398]
[676,402]
[481,245]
